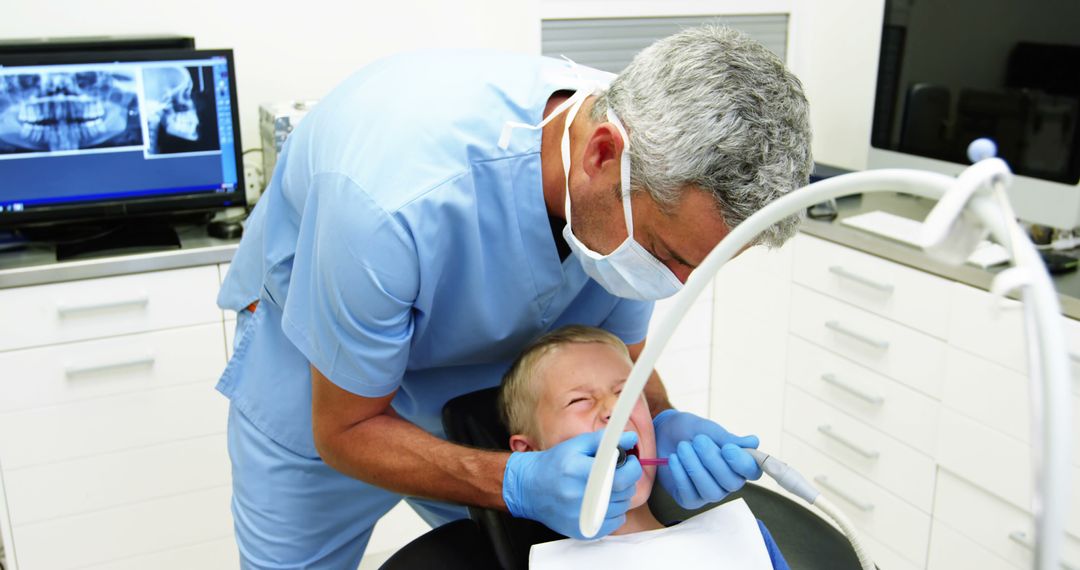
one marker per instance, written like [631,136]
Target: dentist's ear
[520,442]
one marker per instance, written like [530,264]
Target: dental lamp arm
[926,184]
[1051,401]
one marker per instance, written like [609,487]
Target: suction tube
[1046,348]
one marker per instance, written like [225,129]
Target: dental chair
[494,539]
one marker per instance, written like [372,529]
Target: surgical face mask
[630,271]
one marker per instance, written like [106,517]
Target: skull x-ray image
[180,112]
[68,110]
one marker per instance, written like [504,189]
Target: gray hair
[711,108]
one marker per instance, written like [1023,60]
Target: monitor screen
[100,135]
[952,72]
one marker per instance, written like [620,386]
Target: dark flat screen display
[953,71]
[143,132]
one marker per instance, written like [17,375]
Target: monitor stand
[128,238]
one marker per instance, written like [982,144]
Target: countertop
[36,264]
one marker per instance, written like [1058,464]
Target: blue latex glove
[705,462]
[549,486]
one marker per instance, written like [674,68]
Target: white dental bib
[726,536]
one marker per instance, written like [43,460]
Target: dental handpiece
[643,460]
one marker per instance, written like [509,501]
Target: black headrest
[472,419]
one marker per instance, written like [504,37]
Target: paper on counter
[904,230]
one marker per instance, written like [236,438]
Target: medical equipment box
[276,121]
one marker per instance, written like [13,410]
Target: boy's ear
[520,442]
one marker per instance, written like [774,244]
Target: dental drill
[969,207]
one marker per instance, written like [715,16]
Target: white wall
[833,48]
[288,50]
[299,50]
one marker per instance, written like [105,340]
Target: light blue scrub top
[397,247]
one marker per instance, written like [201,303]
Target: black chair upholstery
[806,541]
[459,545]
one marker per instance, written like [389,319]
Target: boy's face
[577,386]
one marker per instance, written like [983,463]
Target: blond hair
[517,394]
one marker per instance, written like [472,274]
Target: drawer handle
[871,283]
[831,378]
[861,505]
[142,360]
[828,432]
[141,300]
[876,343]
[1020,537]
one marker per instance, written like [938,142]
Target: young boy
[565,384]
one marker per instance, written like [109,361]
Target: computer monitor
[951,72]
[93,136]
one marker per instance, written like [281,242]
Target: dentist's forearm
[394,454]
[365,439]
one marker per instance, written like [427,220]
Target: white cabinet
[751,306]
[684,363]
[904,394]
[112,438]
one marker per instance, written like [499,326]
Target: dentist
[434,214]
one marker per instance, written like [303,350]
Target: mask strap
[565,148]
[624,172]
[583,91]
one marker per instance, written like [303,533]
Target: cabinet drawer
[864,450]
[885,557]
[987,326]
[906,295]
[1072,340]
[115,423]
[54,375]
[996,396]
[993,328]
[132,530]
[110,306]
[901,353]
[1000,528]
[999,464]
[950,550]
[873,510]
[220,553]
[881,402]
[66,488]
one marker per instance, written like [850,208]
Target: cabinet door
[750,344]
[907,472]
[881,402]
[1000,528]
[909,296]
[889,348]
[873,510]
[109,306]
[68,373]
